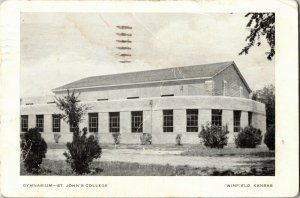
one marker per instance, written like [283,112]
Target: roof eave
[92,87]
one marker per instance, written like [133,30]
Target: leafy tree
[73,112]
[261,25]
[34,149]
[267,96]
[82,150]
[269,139]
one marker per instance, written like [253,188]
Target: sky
[58,48]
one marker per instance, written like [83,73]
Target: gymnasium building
[163,102]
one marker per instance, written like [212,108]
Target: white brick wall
[125,122]
[179,121]
[103,122]
[157,121]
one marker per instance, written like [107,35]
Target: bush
[34,149]
[82,151]
[146,138]
[117,137]
[249,137]
[269,139]
[56,137]
[178,139]
[214,136]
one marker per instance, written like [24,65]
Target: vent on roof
[51,102]
[29,104]
[136,97]
[167,95]
[102,99]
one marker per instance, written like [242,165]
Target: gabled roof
[149,76]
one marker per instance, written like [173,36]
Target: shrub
[178,139]
[56,137]
[214,136]
[82,151]
[34,149]
[249,137]
[269,138]
[146,138]
[116,137]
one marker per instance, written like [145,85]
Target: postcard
[149,98]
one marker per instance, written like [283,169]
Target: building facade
[163,102]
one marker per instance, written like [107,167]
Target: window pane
[114,122]
[93,122]
[40,122]
[168,120]
[137,122]
[236,121]
[55,123]
[192,120]
[24,123]
[249,118]
[216,117]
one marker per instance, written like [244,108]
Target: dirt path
[168,157]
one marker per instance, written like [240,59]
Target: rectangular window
[55,123]
[24,123]
[168,120]
[236,121]
[249,118]
[102,99]
[137,122]
[114,122]
[93,122]
[192,120]
[135,97]
[167,95]
[40,122]
[216,117]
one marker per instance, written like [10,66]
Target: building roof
[159,75]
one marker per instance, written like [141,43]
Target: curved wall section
[179,102]
[153,118]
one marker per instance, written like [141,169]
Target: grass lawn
[188,149]
[61,168]
[228,151]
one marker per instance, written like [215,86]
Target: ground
[166,160]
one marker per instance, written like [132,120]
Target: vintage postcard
[97,96]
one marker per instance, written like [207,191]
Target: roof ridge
[159,69]
[192,71]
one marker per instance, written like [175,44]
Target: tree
[73,112]
[267,96]
[82,150]
[269,139]
[261,25]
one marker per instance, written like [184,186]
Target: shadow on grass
[61,168]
